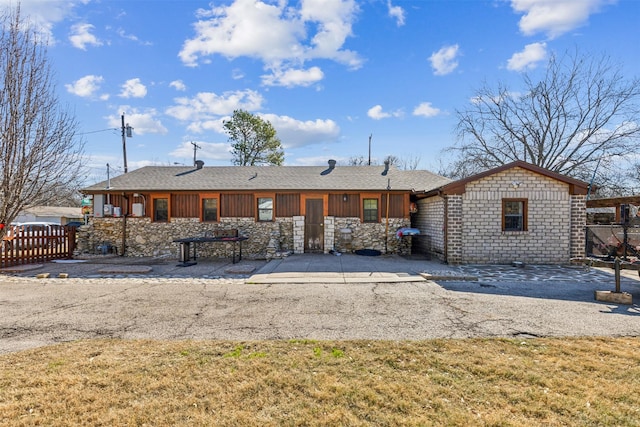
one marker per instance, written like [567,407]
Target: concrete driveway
[530,302]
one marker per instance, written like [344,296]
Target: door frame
[320,207]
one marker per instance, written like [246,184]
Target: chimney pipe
[386,167]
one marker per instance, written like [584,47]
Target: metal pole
[386,229]
[617,271]
[124,145]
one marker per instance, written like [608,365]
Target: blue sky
[327,74]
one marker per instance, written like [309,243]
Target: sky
[337,79]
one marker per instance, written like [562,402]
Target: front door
[314,226]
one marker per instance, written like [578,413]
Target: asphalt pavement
[305,296]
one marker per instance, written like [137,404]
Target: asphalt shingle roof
[275,178]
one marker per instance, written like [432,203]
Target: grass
[582,381]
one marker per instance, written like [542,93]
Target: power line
[96,131]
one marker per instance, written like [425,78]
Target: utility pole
[127,131]
[195,148]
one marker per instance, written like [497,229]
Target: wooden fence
[40,244]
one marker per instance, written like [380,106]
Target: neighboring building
[59,214]
[516,212]
[279,208]
[608,210]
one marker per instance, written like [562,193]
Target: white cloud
[555,17]
[376,113]
[81,36]
[528,58]
[143,122]
[444,61]
[293,77]
[213,125]
[237,74]
[86,86]
[397,13]
[297,133]
[122,33]
[281,36]
[207,150]
[209,106]
[44,14]
[178,85]
[133,88]
[425,109]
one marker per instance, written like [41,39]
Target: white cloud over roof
[282,36]
[298,133]
[207,151]
[210,105]
[145,121]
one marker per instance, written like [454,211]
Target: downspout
[386,230]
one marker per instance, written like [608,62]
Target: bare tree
[39,153]
[403,163]
[357,161]
[254,140]
[580,110]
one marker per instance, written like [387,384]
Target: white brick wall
[548,237]
[430,221]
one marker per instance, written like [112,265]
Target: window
[265,209]
[514,215]
[370,210]
[161,210]
[209,210]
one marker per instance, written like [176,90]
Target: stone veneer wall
[430,221]
[266,239]
[370,235]
[550,220]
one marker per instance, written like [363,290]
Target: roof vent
[199,164]
[332,164]
[386,167]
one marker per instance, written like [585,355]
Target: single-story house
[280,209]
[515,212]
[58,214]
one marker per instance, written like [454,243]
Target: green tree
[254,140]
[40,156]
